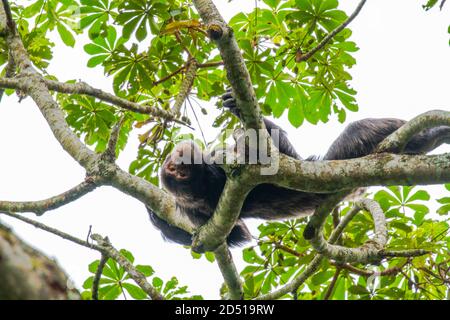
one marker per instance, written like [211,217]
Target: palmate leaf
[96,14]
[138,17]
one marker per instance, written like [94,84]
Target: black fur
[197,187]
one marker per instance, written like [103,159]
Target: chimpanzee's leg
[360,138]
[239,235]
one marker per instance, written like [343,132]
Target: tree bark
[27,274]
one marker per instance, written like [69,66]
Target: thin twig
[9,18]
[136,275]
[98,275]
[330,289]
[110,152]
[9,73]
[54,231]
[171,75]
[332,34]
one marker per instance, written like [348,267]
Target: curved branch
[332,34]
[397,141]
[42,206]
[312,267]
[368,252]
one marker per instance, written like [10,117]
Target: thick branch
[104,247]
[34,86]
[372,170]
[219,226]
[229,272]
[234,63]
[42,206]
[397,141]
[27,274]
[332,34]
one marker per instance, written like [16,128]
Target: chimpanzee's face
[182,170]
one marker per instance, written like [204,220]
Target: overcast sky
[402,70]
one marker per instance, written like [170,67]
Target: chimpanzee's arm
[284,145]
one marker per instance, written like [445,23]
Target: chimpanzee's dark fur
[197,187]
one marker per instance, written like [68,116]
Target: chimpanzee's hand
[229,102]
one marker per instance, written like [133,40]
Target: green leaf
[146,270]
[66,35]
[135,291]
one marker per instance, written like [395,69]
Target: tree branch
[104,247]
[233,61]
[216,230]
[86,89]
[397,141]
[135,274]
[53,231]
[110,153]
[367,273]
[229,272]
[330,289]
[27,274]
[368,252]
[186,86]
[315,263]
[332,34]
[98,275]
[11,26]
[42,206]
[33,85]
[372,170]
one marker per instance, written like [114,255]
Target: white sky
[402,70]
